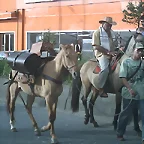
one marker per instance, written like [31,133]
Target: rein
[69,68]
[55,80]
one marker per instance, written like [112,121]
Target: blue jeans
[127,113]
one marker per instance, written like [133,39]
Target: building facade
[23,21]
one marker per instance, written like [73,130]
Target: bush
[4,68]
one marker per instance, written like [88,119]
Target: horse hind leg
[87,90]
[91,105]
[12,93]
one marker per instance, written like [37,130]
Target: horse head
[138,37]
[69,58]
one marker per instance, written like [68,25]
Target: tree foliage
[49,37]
[133,12]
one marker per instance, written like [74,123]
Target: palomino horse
[89,81]
[48,85]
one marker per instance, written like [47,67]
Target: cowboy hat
[139,45]
[108,20]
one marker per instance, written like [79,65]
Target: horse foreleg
[84,101]
[12,95]
[118,100]
[87,89]
[91,105]
[30,100]
[52,105]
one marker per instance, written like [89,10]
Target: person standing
[132,75]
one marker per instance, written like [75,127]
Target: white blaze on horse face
[70,61]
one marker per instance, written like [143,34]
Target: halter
[70,67]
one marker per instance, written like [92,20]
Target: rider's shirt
[99,38]
[127,68]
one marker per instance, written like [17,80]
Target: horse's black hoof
[139,132]
[86,121]
[14,130]
[115,125]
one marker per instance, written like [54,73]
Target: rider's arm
[96,43]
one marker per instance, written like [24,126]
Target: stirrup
[103,94]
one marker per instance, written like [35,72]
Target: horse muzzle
[73,71]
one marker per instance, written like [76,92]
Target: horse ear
[61,46]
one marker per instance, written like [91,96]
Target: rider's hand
[122,48]
[112,53]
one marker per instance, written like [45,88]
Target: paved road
[69,128]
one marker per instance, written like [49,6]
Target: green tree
[133,12]
[49,37]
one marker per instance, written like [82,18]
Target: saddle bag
[24,62]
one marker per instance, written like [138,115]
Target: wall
[71,15]
[7,5]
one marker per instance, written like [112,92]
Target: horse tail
[76,90]
[8,98]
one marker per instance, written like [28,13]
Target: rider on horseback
[104,47]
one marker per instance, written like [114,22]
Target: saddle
[113,63]
[29,65]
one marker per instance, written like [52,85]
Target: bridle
[70,67]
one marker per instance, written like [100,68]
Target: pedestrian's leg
[141,104]
[124,117]
[136,120]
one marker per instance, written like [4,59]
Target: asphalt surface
[69,127]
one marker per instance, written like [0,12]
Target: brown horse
[48,85]
[89,82]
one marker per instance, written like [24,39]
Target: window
[7,41]
[36,37]
[61,38]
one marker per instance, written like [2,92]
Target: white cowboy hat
[108,20]
[139,45]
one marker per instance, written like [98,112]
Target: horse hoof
[139,133]
[95,124]
[86,122]
[43,129]
[115,125]
[14,130]
[37,133]
[54,141]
